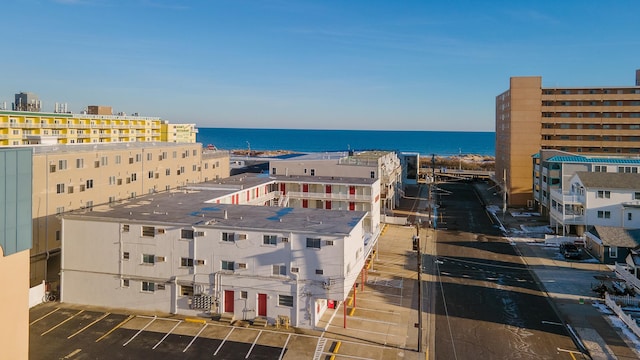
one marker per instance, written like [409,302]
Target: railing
[622,272]
[567,218]
[611,302]
[328,196]
[567,198]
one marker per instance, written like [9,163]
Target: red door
[305,203]
[327,189]
[305,187]
[352,190]
[262,304]
[352,206]
[228,301]
[283,188]
[327,205]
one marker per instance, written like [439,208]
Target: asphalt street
[486,302]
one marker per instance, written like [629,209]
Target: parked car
[570,250]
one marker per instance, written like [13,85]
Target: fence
[612,303]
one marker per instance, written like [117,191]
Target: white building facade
[597,198]
[182,254]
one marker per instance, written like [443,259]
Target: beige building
[591,120]
[15,242]
[70,177]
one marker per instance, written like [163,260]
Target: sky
[325,64]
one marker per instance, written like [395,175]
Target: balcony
[567,198]
[328,196]
[569,217]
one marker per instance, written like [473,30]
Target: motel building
[215,249]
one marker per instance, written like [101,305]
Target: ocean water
[441,143]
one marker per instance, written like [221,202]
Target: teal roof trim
[582,159]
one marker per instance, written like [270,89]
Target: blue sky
[350,64]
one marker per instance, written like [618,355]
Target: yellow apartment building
[185,133]
[591,120]
[28,128]
[76,176]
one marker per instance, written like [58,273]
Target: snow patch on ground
[617,322]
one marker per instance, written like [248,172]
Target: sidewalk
[568,285]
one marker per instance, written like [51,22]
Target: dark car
[569,250]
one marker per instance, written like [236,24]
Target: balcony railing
[568,217]
[328,196]
[567,198]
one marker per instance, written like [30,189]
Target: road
[484,302]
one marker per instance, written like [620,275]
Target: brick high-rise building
[602,120]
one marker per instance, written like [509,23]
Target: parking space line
[223,341]
[284,347]
[86,327]
[44,316]
[195,337]
[72,354]
[167,334]
[64,321]
[139,331]
[115,327]
[252,345]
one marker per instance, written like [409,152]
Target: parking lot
[378,325]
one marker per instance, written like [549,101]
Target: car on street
[570,250]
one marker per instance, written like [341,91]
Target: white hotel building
[201,251]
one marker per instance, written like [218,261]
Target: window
[227,236]
[629,216]
[244,295]
[148,286]
[151,174]
[148,259]
[52,168]
[319,272]
[60,210]
[118,159]
[373,174]
[104,160]
[269,239]
[60,188]
[636,195]
[62,164]
[600,168]
[313,243]
[285,300]
[149,156]
[79,163]
[279,270]
[138,157]
[313,172]
[186,290]
[167,172]
[125,282]
[603,194]
[148,231]
[134,177]
[227,265]
[186,261]
[58,235]
[613,251]
[604,214]
[186,234]
[125,255]
[90,184]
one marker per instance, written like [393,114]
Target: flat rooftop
[193,209]
[71,148]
